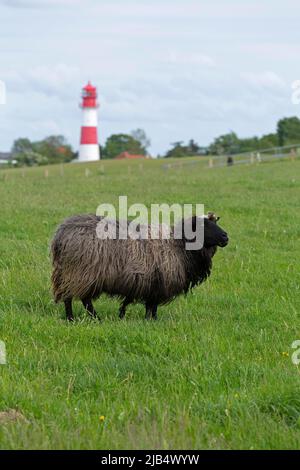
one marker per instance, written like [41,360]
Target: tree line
[56,149]
[287,133]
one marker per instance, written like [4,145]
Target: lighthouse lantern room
[89,147]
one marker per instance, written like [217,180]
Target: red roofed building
[128,156]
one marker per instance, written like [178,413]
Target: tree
[225,144]
[53,149]
[140,136]
[268,141]
[192,147]
[248,144]
[21,146]
[118,143]
[30,158]
[288,131]
[178,150]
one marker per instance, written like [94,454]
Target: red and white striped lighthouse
[89,147]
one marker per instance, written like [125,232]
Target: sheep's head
[213,234]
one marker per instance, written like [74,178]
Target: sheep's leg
[148,312]
[122,310]
[88,305]
[154,312]
[69,312]
[151,312]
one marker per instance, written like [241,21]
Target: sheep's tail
[56,277]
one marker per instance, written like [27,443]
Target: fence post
[293,154]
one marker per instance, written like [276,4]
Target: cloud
[279,51]
[58,80]
[38,3]
[266,80]
[191,58]
[53,79]
[169,9]
[178,69]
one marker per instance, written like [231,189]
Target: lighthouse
[89,147]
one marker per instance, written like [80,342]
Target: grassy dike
[214,371]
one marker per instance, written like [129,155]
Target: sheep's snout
[224,239]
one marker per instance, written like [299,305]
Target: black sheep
[151,271]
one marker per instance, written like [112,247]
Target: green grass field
[215,370]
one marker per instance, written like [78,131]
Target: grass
[214,372]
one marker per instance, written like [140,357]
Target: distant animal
[149,271]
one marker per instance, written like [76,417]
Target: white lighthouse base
[89,153]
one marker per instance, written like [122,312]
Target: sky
[179,69]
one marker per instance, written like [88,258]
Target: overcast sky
[179,69]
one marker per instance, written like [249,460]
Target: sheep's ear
[212,216]
[217,218]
